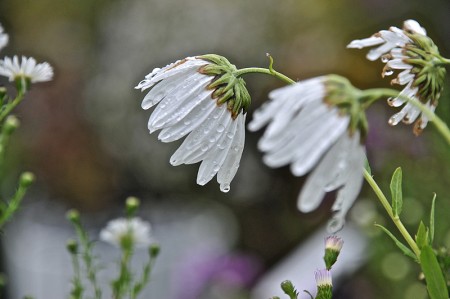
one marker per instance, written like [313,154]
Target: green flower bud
[26,179]
[333,246]
[154,250]
[11,124]
[131,204]
[72,246]
[289,289]
[73,216]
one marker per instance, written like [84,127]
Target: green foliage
[399,244]
[396,192]
[436,286]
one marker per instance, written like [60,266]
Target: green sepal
[436,285]
[396,192]
[406,251]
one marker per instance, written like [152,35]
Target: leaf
[399,244]
[422,236]
[432,219]
[396,192]
[436,286]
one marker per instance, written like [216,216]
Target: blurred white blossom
[3,38]
[309,132]
[411,51]
[27,68]
[134,229]
[200,98]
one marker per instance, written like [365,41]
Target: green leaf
[399,244]
[396,192]
[436,286]
[432,219]
[422,238]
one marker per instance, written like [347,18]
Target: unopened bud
[72,246]
[11,124]
[333,246]
[131,205]
[73,216]
[26,179]
[154,250]
[288,288]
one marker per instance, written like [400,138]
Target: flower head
[27,70]
[125,231]
[317,125]
[3,38]
[422,73]
[324,284]
[202,98]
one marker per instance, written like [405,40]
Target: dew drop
[187,122]
[225,187]
[230,135]
[204,147]
[384,59]
[388,72]
[212,139]
[220,128]
[216,168]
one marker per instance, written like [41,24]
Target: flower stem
[9,107]
[260,70]
[398,223]
[377,93]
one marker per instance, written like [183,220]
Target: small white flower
[323,278]
[134,229]
[202,100]
[3,38]
[309,133]
[27,68]
[411,51]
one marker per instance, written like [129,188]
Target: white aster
[4,38]
[27,68]
[134,229]
[187,107]
[398,48]
[312,136]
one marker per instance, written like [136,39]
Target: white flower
[310,133]
[3,38]
[198,97]
[134,229]
[411,51]
[323,278]
[28,68]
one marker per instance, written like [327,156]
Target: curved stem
[11,106]
[260,70]
[398,223]
[376,93]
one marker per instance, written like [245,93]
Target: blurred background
[85,137]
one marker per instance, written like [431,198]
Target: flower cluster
[316,125]
[24,71]
[200,97]
[410,50]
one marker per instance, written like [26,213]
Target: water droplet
[187,122]
[230,135]
[388,72]
[384,59]
[221,146]
[220,128]
[225,187]
[216,168]
[204,147]
[212,139]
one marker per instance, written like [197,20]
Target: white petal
[398,64]
[366,42]
[316,145]
[218,153]
[376,53]
[414,26]
[190,122]
[231,163]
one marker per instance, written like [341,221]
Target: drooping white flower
[132,230]
[27,68]
[312,127]
[199,97]
[4,38]
[412,52]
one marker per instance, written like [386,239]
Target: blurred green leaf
[436,286]
[422,238]
[432,219]
[396,192]
[399,244]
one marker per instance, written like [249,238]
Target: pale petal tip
[225,187]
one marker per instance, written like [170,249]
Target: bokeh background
[85,137]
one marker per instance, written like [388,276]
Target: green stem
[398,223]
[376,93]
[260,70]
[11,106]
